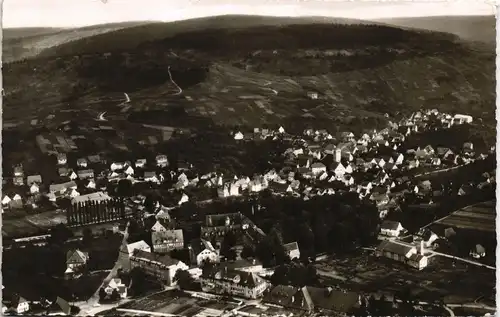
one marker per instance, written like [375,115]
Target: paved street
[89,307]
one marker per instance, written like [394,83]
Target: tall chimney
[422,247]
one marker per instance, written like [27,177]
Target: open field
[177,303]
[479,217]
[32,224]
[456,284]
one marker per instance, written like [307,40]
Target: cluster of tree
[95,212]
[270,250]
[301,36]
[295,274]
[138,282]
[59,234]
[185,281]
[227,246]
[453,137]
[330,223]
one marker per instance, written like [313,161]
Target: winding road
[173,82]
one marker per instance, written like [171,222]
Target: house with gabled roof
[324,301]
[151,177]
[238,136]
[139,245]
[318,168]
[167,240]
[161,224]
[184,199]
[391,228]
[81,162]
[116,166]
[161,160]
[62,159]
[62,187]
[468,147]
[32,179]
[117,285]
[76,259]
[161,267]
[6,200]
[404,253]
[63,171]
[85,174]
[338,169]
[221,280]
[34,189]
[73,175]
[201,250]
[16,304]
[429,149]
[140,163]
[292,250]
[413,164]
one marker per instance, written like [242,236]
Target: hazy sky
[71,13]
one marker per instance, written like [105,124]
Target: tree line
[95,212]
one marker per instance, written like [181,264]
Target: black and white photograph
[248,158]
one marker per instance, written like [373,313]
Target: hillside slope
[258,75]
[470,28]
[20,43]
[131,37]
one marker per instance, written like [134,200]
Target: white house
[20,305]
[129,171]
[116,284]
[74,193]
[461,118]
[399,159]
[139,245]
[202,250]
[81,162]
[115,166]
[312,95]
[73,175]
[161,160]
[234,189]
[339,170]
[85,174]
[62,159]
[90,184]
[413,164]
[6,200]
[151,177]
[318,168]
[403,253]
[184,199]
[140,163]
[159,226]
[391,228]
[281,130]
[238,136]
[34,189]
